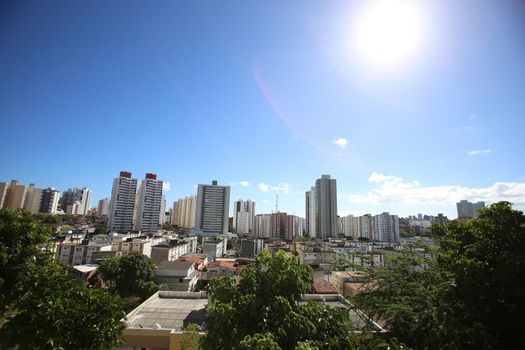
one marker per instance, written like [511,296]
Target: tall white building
[4,192]
[162,215]
[212,213]
[386,227]
[33,199]
[77,201]
[350,226]
[366,227]
[326,207]
[310,212]
[149,203]
[183,212]
[103,207]
[122,203]
[262,226]
[243,216]
[16,195]
[468,210]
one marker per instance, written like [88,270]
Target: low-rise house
[169,251]
[215,248]
[316,257]
[82,273]
[200,262]
[131,246]
[79,254]
[222,268]
[177,275]
[339,278]
[158,323]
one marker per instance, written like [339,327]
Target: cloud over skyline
[340,142]
[476,152]
[395,190]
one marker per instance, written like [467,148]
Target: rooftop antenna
[277,202]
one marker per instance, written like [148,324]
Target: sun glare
[388,32]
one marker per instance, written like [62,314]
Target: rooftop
[169,310]
[175,265]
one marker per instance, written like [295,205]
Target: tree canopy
[128,276]
[24,245]
[45,308]
[469,295]
[264,311]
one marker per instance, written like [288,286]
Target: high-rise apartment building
[122,203]
[326,207]
[468,210]
[310,212]
[149,204]
[350,226]
[212,214]
[49,201]
[103,208]
[162,215]
[262,225]
[76,201]
[366,227]
[294,227]
[33,199]
[386,227]
[183,212]
[4,193]
[278,226]
[243,216]
[16,195]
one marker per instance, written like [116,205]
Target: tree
[24,245]
[469,295]
[405,295]
[128,276]
[485,258]
[265,309]
[45,307]
[190,338]
[55,312]
[259,341]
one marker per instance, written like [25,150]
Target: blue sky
[271,93]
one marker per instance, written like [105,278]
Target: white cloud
[244,183]
[340,142]
[395,190]
[476,152]
[166,186]
[264,187]
[283,187]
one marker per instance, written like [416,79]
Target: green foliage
[23,246]
[264,312]
[58,313]
[190,338]
[45,307]
[486,260]
[128,276]
[405,296]
[470,295]
[259,341]
[101,230]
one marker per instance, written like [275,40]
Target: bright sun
[388,32]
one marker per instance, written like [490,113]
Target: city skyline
[271,206]
[265,98]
